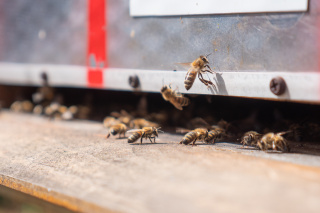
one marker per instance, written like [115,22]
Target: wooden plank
[71,164]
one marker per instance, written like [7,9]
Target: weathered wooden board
[71,164]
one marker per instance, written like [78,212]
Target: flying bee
[213,135]
[274,142]
[177,99]
[194,135]
[146,132]
[139,123]
[117,129]
[197,67]
[250,138]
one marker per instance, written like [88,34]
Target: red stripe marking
[96,52]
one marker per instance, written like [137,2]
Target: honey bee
[16,106]
[213,135]
[22,106]
[160,117]
[70,113]
[55,110]
[198,67]
[274,142]
[146,132]
[194,135]
[251,138]
[123,116]
[198,123]
[117,129]
[139,123]
[38,109]
[177,99]
[110,121]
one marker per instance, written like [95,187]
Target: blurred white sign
[194,7]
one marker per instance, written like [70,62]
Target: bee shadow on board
[221,86]
[140,144]
[123,137]
[248,148]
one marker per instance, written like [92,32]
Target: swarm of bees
[142,125]
[46,102]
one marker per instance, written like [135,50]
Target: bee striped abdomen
[188,82]
[189,137]
[183,101]
[134,137]
[211,136]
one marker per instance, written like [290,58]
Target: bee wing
[283,133]
[134,130]
[184,65]
[176,105]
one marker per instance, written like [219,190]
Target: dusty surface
[73,159]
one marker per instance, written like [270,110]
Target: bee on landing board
[123,116]
[250,138]
[110,121]
[272,141]
[117,129]
[177,99]
[197,67]
[139,123]
[214,134]
[194,135]
[146,132]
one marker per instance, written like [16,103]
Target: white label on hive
[196,7]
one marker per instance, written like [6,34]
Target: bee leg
[193,143]
[210,70]
[207,83]
[108,135]
[141,138]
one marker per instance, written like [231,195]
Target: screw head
[277,86]
[134,81]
